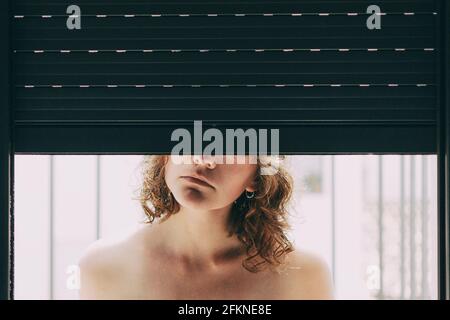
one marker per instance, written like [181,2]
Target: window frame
[7,152]
[6,158]
[443,151]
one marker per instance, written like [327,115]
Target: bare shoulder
[99,255]
[308,276]
[105,266]
[99,265]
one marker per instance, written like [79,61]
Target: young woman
[215,230]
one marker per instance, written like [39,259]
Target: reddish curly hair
[259,223]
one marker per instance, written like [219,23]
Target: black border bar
[6,154]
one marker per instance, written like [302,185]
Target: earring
[249,195]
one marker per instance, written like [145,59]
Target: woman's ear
[252,183]
[251,187]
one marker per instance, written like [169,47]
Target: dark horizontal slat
[215,78]
[228,43]
[63,60]
[212,99]
[222,68]
[222,6]
[220,32]
[249,116]
[203,22]
[232,104]
[294,139]
[224,93]
[137,2]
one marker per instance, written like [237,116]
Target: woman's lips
[197,181]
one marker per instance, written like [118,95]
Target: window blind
[136,70]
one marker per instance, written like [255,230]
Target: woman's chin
[194,199]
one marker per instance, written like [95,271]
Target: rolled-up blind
[136,70]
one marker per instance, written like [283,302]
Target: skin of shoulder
[108,267]
[310,275]
[100,268]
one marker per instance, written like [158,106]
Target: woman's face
[207,182]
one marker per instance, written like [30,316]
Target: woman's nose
[207,161]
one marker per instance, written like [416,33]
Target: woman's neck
[201,237]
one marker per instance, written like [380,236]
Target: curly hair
[259,223]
